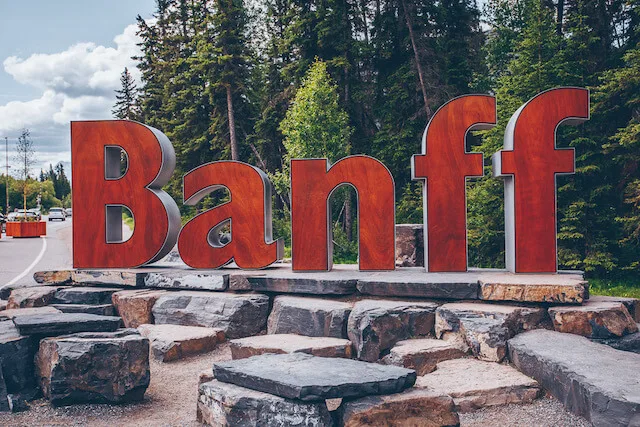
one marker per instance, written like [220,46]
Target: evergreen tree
[126,98]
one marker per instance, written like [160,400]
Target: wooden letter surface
[445,166]
[100,191]
[312,182]
[248,212]
[529,164]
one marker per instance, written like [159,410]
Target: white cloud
[77,84]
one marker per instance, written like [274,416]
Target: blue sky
[60,60]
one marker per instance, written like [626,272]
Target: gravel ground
[171,401]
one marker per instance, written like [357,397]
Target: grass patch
[629,288]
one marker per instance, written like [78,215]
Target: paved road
[22,257]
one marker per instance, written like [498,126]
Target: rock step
[413,407]
[107,367]
[84,295]
[222,404]
[475,384]
[65,323]
[135,306]
[594,319]
[34,296]
[310,378]
[632,304]
[17,358]
[629,342]
[592,380]
[18,312]
[176,279]
[173,342]
[102,309]
[422,354]
[313,317]
[290,343]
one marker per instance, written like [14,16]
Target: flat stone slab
[173,342]
[135,306]
[102,309]
[18,312]
[222,404]
[564,288]
[313,317]
[632,304]
[413,407]
[592,380]
[108,278]
[475,384]
[420,284]
[65,323]
[422,354]
[310,378]
[36,296]
[84,295]
[238,315]
[289,343]
[629,342]
[376,325]
[281,280]
[208,281]
[599,319]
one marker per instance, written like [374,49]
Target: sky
[61,60]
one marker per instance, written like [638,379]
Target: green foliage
[409,209]
[626,287]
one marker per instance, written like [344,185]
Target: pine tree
[126,98]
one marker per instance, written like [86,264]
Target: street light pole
[6,153]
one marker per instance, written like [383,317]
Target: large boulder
[409,245]
[632,304]
[422,354]
[600,319]
[475,384]
[16,354]
[312,317]
[289,343]
[221,404]
[376,325]
[135,306]
[109,367]
[238,315]
[592,380]
[65,323]
[563,288]
[84,295]
[36,296]
[310,378]
[413,407]
[173,342]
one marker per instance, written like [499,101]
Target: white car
[57,213]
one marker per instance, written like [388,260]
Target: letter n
[248,213]
[101,190]
[445,166]
[312,182]
[529,165]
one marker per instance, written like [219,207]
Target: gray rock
[221,404]
[37,296]
[16,352]
[288,282]
[6,290]
[486,337]
[422,354]
[135,306]
[290,343]
[629,342]
[413,407]
[18,312]
[376,325]
[409,245]
[312,317]
[65,323]
[592,380]
[173,342]
[102,310]
[310,378]
[3,304]
[238,315]
[84,295]
[115,278]
[594,319]
[632,304]
[109,367]
[188,279]
[4,399]
[427,287]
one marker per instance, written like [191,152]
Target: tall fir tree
[126,98]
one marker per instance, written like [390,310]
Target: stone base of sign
[484,284]
[173,342]
[313,317]
[135,306]
[37,296]
[422,354]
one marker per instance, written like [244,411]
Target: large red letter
[248,213]
[312,182]
[529,164]
[100,191]
[446,165]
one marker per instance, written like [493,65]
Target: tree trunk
[232,125]
[348,219]
[560,17]
[417,59]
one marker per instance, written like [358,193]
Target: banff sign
[529,164]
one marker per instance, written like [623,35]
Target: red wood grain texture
[445,165]
[312,182]
[249,213]
[530,163]
[150,164]
[26,229]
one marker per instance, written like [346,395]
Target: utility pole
[6,153]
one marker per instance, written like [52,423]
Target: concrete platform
[484,284]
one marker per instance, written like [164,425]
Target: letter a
[248,213]
[100,191]
[445,166]
[529,164]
